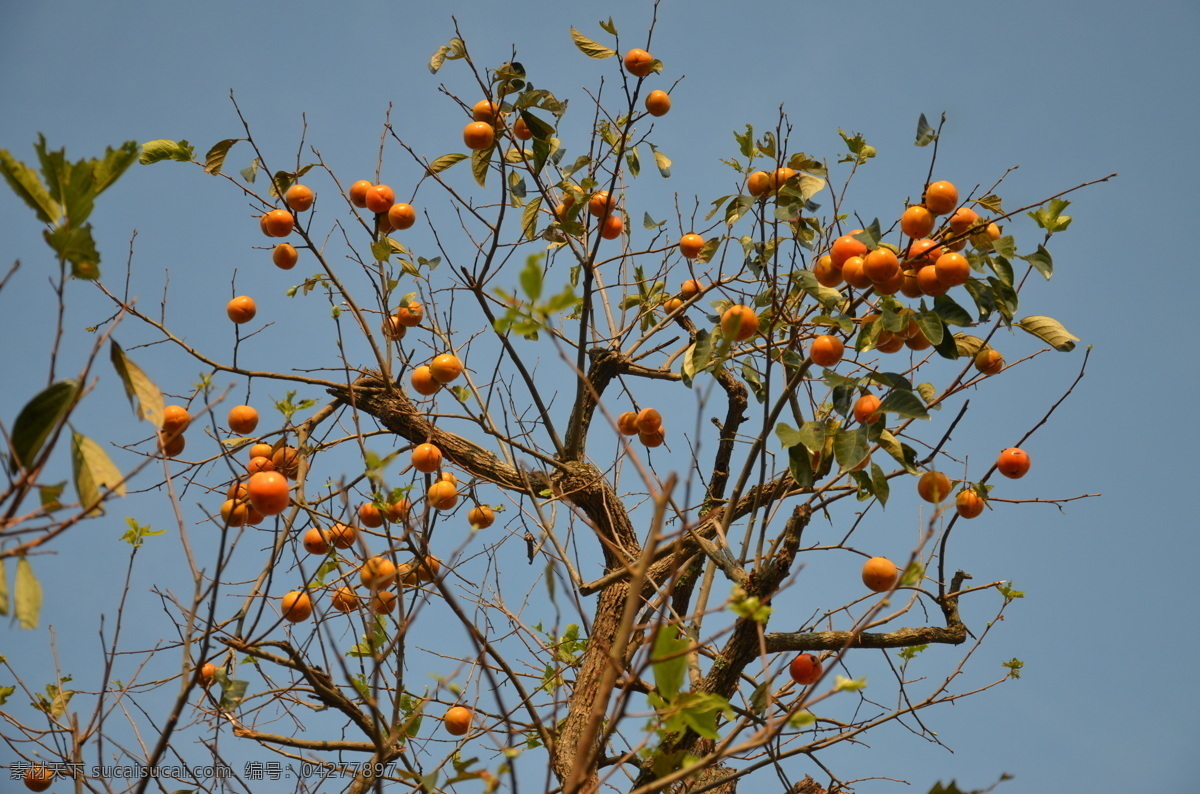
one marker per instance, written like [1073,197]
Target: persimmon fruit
[241,309]
[968,503]
[457,721]
[627,423]
[638,62]
[612,226]
[345,599]
[175,419]
[826,350]
[941,197]
[369,515]
[989,361]
[442,495]
[478,135]
[739,322]
[380,198]
[933,487]
[358,192]
[481,517]
[316,541]
[284,256]
[658,103]
[269,492]
[377,573]
[880,574]
[243,419]
[601,203]
[298,197]
[343,536]
[278,223]
[866,409]
[401,216]
[917,221]
[423,381]
[426,458]
[805,670]
[296,606]
[39,778]
[690,245]
[854,274]
[1013,463]
[446,368]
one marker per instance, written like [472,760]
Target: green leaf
[165,149]
[137,533]
[38,419]
[249,172]
[1041,261]
[214,160]
[445,161]
[931,326]
[850,447]
[143,395]
[925,133]
[232,693]
[531,277]
[800,466]
[801,719]
[650,223]
[479,164]
[25,183]
[951,313]
[93,470]
[1014,667]
[529,217]
[697,357]
[662,161]
[967,345]
[737,209]
[609,27]
[905,455]
[3,600]
[590,48]
[910,653]
[75,244]
[860,151]
[903,403]
[699,711]
[844,684]
[709,250]
[5,692]
[1050,216]
[669,660]
[50,496]
[28,595]
[1050,330]
[879,484]
[1005,297]
[631,159]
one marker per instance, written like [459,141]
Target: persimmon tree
[570,461]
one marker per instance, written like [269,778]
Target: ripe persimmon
[993,231]
[1013,463]
[358,192]
[933,487]
[989,361]
[909,284]
[827,274]
[889,342]
[962,219]
[446,368]
[866,409]
[478,135]
[175,419]
[845,247]
[690,289]
[648,420]
[377,573]
[383,602]
[287,461]
[880,265]
[672,305]
[423,381]
[316,541]
[243,419]
[653,438]
[260,451]
[892,285]
[880,574]
[285,256]
[393,329]
[601,203]
[442,495]
[928,281]
[298,197]
[612,226]
[780,176]
[206,673]
[521,130]
[398,510]
[627,424]
[658,103]
[421,569]
[826,350]
[379,198]
[921,253]
[268,492]
[941,197]
[481,517]
[296,606]
[410,314]
[487,111]
[805,670]
[369,515]
[278,223]
[235,513]
[690,245]
[401,216]
[739,322]
[241,309]
[917,221]
[457,721]
[40,778]
[639,63]
[426,458]
[854,274]
[259,464]
[968,503]
[758,183]
[952,269]
[343,536]
[345,600]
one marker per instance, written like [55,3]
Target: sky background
[1068,92]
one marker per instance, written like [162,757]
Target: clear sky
[1069,92]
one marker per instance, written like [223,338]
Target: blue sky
[1067,92]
